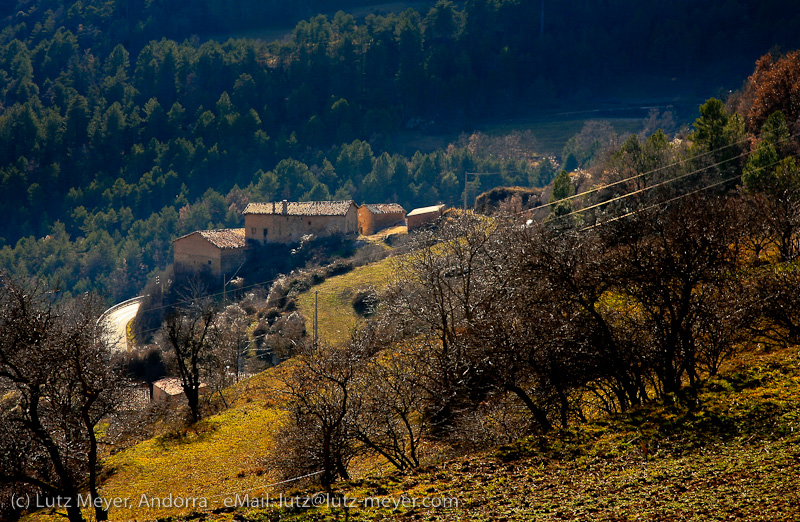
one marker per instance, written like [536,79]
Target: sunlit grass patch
[222,456]
[336,315]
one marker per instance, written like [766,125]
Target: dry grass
[222,456]
[732,457]
[336,315]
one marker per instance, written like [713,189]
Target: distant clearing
[552,133]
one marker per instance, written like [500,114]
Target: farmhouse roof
[385,208]
[301,208]
[222,238]
[169,385]
[426,210]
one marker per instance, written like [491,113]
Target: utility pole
[316,322]
[465,192]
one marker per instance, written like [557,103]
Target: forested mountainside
[125,127]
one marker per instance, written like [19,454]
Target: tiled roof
[169,385]
[223,238]
[385,208]
[172,385]
[301,208]
[426,210]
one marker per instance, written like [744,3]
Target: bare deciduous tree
[56,384]
[391,401]
[188,334]
[317,435]
[433,301]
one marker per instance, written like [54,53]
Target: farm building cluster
[222,251]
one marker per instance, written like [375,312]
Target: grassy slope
[736,457]
[336,316]
[223,454]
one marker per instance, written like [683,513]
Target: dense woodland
[125,128]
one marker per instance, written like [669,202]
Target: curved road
[117,318]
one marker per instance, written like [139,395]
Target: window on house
[309,223]
[209,261]
[253,231]
[265,232]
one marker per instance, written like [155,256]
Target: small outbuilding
[171,388]
[220,251]
[375,217]
[424,216]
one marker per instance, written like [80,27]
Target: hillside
[611,334]
[734,456]
[336,314]
[127,127]
[224,453]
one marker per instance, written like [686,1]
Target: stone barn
[374,217]
[288,221]
[220,251]
[424,216]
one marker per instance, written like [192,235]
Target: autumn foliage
[773,86]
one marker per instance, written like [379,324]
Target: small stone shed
[375,217]
[171,389]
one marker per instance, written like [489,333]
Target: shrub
[366,301]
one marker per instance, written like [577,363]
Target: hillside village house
[220,251]
[288,222]
[423,216]
[374,217]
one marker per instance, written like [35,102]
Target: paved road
[117,321]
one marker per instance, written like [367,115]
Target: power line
[645,189]
[653,171]
[727,180]
[675,198]
[639,191]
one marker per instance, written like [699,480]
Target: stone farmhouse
[374,217]
[223,251]
[288,222]
[220,251]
